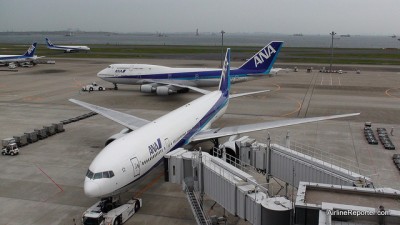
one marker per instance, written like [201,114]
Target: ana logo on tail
[30,49]
[49,42]
[263,55]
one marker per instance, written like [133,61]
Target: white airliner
[66,48]
[29,56]
[166,80]
[125,160]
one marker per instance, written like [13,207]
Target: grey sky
[275,16]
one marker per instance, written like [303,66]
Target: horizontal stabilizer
[124,119]
[247,93]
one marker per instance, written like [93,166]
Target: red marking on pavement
[50,179]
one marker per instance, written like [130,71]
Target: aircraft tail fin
[262,61]
[225,82]
[31,50]
[48,42]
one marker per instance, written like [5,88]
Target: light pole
[222,47]
[332,34]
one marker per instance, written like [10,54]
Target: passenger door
[167,145]
[136,166]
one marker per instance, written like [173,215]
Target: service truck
[106,213]
[93,87]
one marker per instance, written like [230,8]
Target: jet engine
[148,88]
[166,90]
[114,137]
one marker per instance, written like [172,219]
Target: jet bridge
[298,162]
[229,182]
[238,192]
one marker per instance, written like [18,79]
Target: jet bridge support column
[268,160]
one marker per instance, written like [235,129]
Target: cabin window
[173,170]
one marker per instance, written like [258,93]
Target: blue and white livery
[29,56]
[66,48]
[167,80]
[128,158]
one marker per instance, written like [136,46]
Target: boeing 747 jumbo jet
[66,48]
[128,158]
[29,56]
[166,80]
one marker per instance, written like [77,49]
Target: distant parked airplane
[66,48]
[29,57]
[125,160]
[167,80]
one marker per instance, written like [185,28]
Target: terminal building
[248,178]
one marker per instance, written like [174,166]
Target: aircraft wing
[129,121]
[203,91]
[228,131]
[177,84]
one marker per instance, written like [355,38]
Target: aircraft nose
[92,189]
[102,73]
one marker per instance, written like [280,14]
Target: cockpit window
[109,67]
[105,174]
[98,175]
[89,174]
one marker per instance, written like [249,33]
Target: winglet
[31,50]
[225,82]
[263,60]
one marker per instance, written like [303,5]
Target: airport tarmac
[44,184]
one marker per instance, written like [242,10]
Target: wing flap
[228,131]
[124,119]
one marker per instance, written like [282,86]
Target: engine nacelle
[166,90]
[114,137]
[231,146]
[148,88]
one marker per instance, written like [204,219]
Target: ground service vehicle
[11,149]
[104,212]
[93,87]
[12,66]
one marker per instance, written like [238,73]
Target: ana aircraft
[29,57]
[128,158]
[166,80]
[66,48]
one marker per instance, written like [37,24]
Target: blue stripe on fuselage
[220,104]
[65,48]
[14,57]
[191,75]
